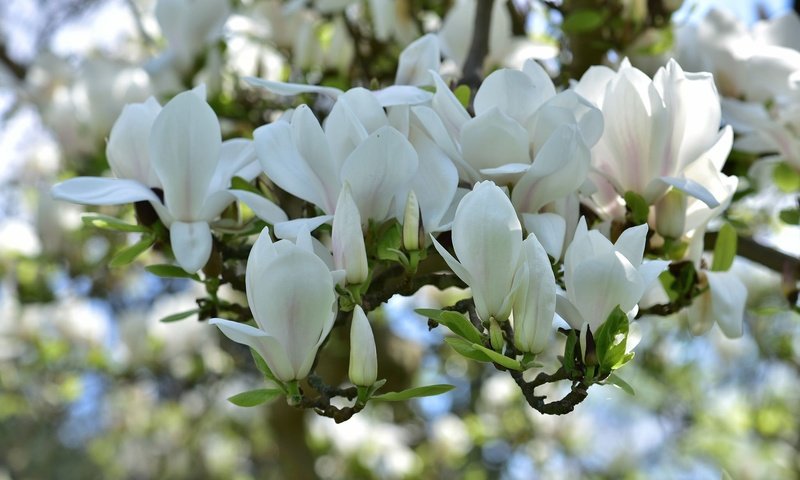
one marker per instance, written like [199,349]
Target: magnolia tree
[571,212]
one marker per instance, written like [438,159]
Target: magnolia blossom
[190,162]
[487,238]
[363,357]
[599,276]
[290,291]
[535,301]
[655,129]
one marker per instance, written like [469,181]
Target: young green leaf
[255,397]
[106,222]
[427,391]
[613,379]
[724,249]
[583,20]
[239,183]
[637,206]
[129,254]
[786,178]
[170,271]
[456,322]
[179,316]
[498,358]
[462,93]
[611,339]
[262,365]
[465,349]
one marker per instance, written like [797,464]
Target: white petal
[631,243]
[512,92]
[493,140]
[126,150]
[690,187]
[270,350]
[363,369]
[291,229]
[416,60]
[436,179]
[401,95]
[184,148]
[263,208]
[288,89]
[454,265]
[445,103]
[728,300]
[534,307]
[550,229]
[566,310]
[602,283]
[347,239]
[191,244]
[102,191]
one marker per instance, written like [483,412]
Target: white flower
[599,275]
[654,130]
[487,239]
[535,301]
[291,295]
[194,168]
[363,357]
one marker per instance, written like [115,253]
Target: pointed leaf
[262,365]
[465,349]
[253,398]
[111,223]
[724,249]
[179,316]
[611,339]
[170,271]
[456,322]
[129,254]
[613,379]
[499,358]
[426,391]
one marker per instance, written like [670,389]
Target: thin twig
[472,73]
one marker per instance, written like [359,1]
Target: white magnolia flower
[363,357]
[654,130]
[487,239]
[599,276]
[290,291]
[192,165]
[535,301]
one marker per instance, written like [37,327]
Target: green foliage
[426,391]
[106,222]
[129,254]
[498,358]
[254,398]
[613,379]
[637,208]
[786,178]
[584,21]
[610,341]
[790,216]
[724,249]
[456,322]
[463,93]
[467,349]
[171,271]
[179,316]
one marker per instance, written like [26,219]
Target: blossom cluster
[556,209]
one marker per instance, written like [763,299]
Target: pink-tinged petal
[270,349]
[290,89]
[512,92]
[292,229]
[487,238]
[535,303]
[602,283]
[550,229]
[379,168]
[493,140]
[416,60]
[126,150]
[184,148]
[631,243]
[263,208]
[728,300]
[281,160]
[401,95]
[191,244]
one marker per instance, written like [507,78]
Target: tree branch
[472,73]
[17,69]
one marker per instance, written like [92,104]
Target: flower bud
[496,335]
[349,252]
[363,357]
[412,229]
[671,214]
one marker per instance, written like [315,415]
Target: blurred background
[94,385]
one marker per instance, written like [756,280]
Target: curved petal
[191,244]
[363,369]
[293,228]
[566,310]
[602,283]
[184,147]
[550,229]
[493,140]
[347,239]
[728,299]
[445,103]
[102,191]
[512,92]
[534,307]
[631,243]
[262,207]
[692,188]
[127,143]
[436,179]
[289,89]
[401,95]
[416,60]
[270,349]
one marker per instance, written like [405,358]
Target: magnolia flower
[654,131]
[290,291]
[487,238]
[535,301]
[599,276]
[192,165]
[363,357]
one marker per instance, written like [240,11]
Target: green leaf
[786,178]
[427,391]
[179,316]
[239,183]
[613,379]
[610,340]
[262,365]
[456,322]
[498,358]
[462,93]
[170,271]
[569,349]
[465,348]
[583,21]
[790,216]
[724,249]
[129,254]
[637,206]
[106,222]
[390,242]
[255,397]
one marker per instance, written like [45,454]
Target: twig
[472,74]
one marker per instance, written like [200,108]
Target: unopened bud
[671,214]
[363,370]
[412,227]
[496,335]
[349,252]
